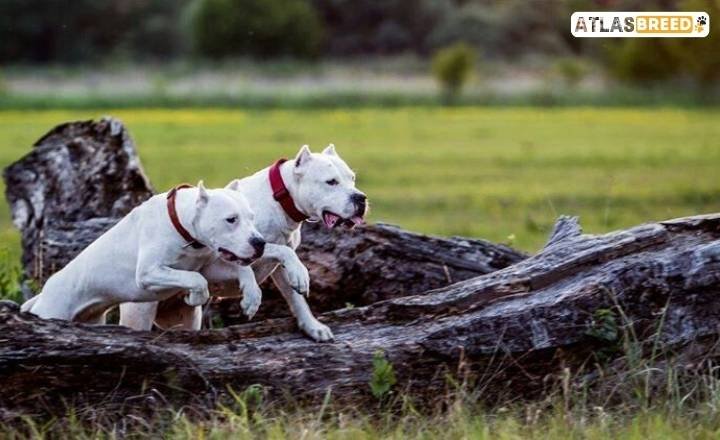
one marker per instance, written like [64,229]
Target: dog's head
[324,188]
[224,222]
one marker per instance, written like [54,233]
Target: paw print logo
[699,23]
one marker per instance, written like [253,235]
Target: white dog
[154,252]
[310,187]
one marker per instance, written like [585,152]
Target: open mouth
[233,258]
[333,220]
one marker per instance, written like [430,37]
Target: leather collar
[175,220]
[281,193]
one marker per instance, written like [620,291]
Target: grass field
[503,174]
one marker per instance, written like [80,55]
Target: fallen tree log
[82,177]
[510,329]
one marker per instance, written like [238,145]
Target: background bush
[646,61]
[474,24]
[571,71]
[699,58]
[452,67]
[260,28]
[380,26]
[642,61]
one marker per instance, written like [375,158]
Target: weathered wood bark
[82,177]
[77,171]
[511,330]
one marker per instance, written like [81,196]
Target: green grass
[503,174]
[531,423]
[570,410]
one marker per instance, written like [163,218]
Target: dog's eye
[232,219]
[332,182]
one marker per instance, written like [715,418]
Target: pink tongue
[330,219]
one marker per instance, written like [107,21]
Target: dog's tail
[27,305]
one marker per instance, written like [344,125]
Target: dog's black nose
[259,245]
[360,202]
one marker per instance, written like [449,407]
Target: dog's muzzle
[259,245]
[231,257]
[360,202]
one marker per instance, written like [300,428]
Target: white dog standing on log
[311,187]
[155,252]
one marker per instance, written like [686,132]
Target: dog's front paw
[317,330]
[299,278]
[197,297]
[252,297]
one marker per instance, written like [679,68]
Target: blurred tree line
[75,31]
[72,31]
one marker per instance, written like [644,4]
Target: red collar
[175,220]
[281,194]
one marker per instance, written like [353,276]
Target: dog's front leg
[252,293]
[299,307]
[296,274]
[161,279]
[220,271]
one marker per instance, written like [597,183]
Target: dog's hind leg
[174,314]
[170,314]
[93,315]
[138,316]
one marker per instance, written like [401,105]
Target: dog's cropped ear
[234,185]
[303,156]
[330,150]
[203,196]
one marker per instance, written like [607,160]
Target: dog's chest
[192,259]
[282,237]
[274,228]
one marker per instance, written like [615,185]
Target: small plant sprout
[383,376]
[510,240]
[604,326]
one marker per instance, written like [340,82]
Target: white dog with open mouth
[313,186]
[154,252]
